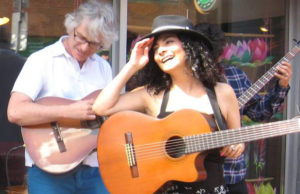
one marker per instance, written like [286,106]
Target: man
[67,69]
[259,108]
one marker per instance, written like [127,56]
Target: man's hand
[284,74]
[81,110]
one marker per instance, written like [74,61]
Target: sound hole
[175,147]
[93,124]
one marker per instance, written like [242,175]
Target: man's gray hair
[100,19]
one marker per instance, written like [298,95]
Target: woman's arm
[110,99]
[230,109]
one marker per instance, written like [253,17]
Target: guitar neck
[207,141]
[260,83]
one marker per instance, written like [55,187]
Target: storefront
[259,33]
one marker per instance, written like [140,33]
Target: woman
[176,67]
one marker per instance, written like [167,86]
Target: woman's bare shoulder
[224,88]
[151,101]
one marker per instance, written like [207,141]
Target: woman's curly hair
[199,60]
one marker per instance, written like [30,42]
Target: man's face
[80,45]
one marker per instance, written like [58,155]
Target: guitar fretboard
[260,83]
[207,141]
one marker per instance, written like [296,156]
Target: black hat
[175,23]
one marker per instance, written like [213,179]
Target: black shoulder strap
[164,102]
[220,121]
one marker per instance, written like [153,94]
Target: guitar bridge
[58,137]
[130,153]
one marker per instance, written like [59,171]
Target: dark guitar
[261,82]
[138,153]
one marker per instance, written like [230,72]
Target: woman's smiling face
[168,52]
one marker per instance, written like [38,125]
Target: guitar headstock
[296,117]
[297,42]
[298,113]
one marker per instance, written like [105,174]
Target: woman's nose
[161,50]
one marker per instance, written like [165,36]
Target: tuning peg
[297,42]
[298,112]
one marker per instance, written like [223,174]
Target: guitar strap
[219,119]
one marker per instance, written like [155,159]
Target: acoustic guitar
[60,146]
[138,153]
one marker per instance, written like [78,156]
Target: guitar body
[43,149]
[155,164]
[42,146]
[138,153]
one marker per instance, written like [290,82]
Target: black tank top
[213,162]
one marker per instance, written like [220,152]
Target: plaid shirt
[259,108]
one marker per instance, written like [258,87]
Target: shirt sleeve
[262,108]
[30,79]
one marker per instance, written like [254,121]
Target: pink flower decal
[259,49]
[252,53]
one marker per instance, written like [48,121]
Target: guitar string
[151,144]
[200,134]
[158,153]
[174,141]
[148,151]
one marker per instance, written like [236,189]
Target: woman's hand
[139,56]
[233,151]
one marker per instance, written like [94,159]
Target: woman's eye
[169,41]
